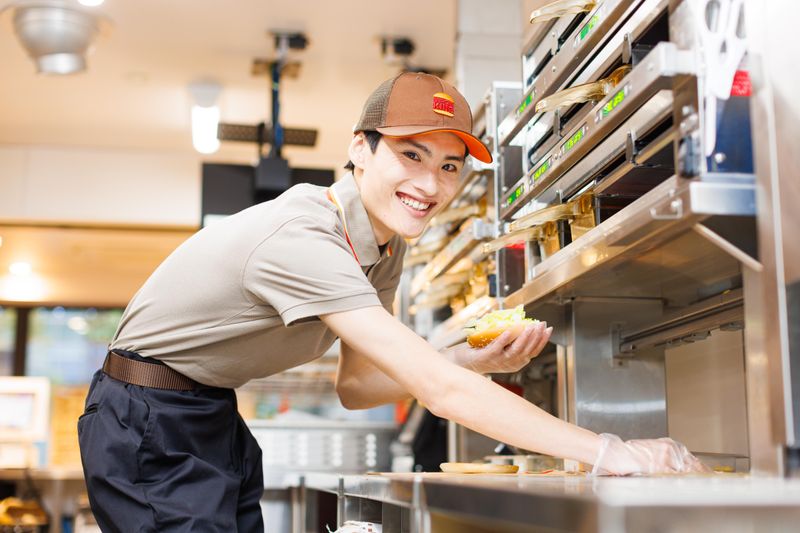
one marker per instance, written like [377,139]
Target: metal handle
[559,8]
[579,94]
[538,218]
[577,207]
[517,237]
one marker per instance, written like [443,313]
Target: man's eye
[412,155]
[449,167]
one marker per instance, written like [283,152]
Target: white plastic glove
[644,456]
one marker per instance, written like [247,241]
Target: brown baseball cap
[414,103]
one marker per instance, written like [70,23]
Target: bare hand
[509,352]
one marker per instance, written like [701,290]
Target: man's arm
[360,384]
[471,400]
[455,393]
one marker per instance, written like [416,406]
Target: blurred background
[109,160]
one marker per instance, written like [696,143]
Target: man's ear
[357,150]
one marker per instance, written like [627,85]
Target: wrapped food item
[478,468]
[492,325]
[352,526]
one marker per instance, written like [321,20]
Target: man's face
[408,180]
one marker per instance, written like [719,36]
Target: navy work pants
[162,460]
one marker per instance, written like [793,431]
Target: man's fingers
[521,342]
[519,353]
[512,335]
[504,339]
[526,343]
[535,340]
[542,340]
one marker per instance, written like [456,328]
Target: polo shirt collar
[356,220]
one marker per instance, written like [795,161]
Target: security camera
[397,47]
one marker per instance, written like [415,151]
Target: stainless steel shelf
[588,64]
[602,21]
[653,75]
[648,248]
[731,502]
[694,322]
[460,246]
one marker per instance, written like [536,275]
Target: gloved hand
[644,456]
[509,352]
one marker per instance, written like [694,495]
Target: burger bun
[485,337]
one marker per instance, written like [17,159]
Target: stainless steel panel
[607,394]
[766,452]
[706,400]
[291,447]
[362,510]
[775,112]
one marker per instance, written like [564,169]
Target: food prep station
[627,207]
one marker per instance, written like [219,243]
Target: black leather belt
[157,376]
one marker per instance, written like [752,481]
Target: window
[68,345]
[8,326]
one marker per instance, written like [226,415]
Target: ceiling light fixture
[22,285]
[20,268]
[55,35]
[90,3]
[205,115]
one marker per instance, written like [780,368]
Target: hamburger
[492,325]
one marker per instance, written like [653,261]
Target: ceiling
[134,94]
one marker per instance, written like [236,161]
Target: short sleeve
[306,268]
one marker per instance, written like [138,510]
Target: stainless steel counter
[524,502]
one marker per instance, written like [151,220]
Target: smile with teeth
[414,204]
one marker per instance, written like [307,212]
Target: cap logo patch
[443,104]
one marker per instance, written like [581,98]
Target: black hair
[373,138]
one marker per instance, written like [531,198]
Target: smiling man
[270,288]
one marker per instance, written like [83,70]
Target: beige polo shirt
[240,299]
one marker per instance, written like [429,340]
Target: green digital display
[588,27]
[525,103]
[514,195]
[544,167]
[572,141]
[612,104]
